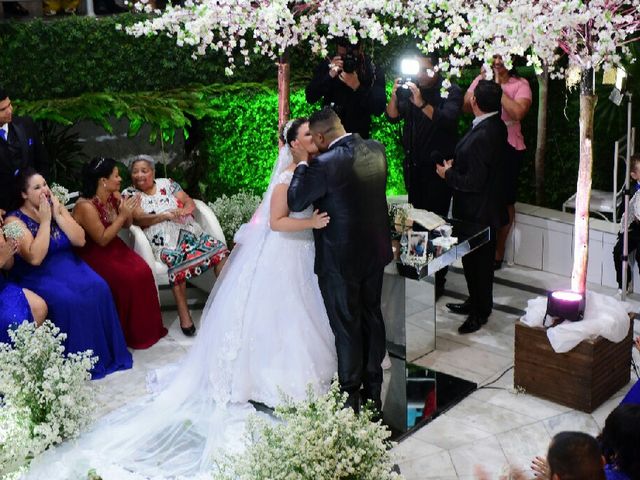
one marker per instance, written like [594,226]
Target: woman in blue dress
[79,301]
[16,304]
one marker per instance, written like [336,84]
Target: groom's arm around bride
[348,181]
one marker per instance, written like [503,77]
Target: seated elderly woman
[102,213]
[16,304]
[175,237]
[79,301]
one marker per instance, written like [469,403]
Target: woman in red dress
[102,213]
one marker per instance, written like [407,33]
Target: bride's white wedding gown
[264,332]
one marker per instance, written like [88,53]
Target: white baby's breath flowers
[46,396]
[233,211]
[312,440]
[12,231]
[61,193]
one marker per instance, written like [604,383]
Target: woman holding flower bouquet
[79,301]
[16,304]
[102,213]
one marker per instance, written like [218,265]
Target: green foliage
[165,112]
[76,55]
[241,140]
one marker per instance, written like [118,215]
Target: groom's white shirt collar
[304,162]
[338,139]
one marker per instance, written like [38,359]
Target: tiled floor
[493,427]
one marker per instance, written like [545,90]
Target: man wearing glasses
[429,135]
[20,147]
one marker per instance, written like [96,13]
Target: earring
[104,184]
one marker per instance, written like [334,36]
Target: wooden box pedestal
[581,379]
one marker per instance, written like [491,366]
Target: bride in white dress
[264,332]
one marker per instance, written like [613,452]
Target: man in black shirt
[352,85]
[430,132]
[430,135]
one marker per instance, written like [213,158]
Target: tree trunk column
[284,86]
[581,226]
[541,141]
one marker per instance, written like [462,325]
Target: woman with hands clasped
[177,240]
[79,300]
[102,212]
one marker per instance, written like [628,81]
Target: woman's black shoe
[497,265]
[189,331]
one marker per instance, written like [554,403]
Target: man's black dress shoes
[460,308]
[472,324]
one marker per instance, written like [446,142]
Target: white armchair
[137,240]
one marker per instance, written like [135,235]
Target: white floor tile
[486,452]
[487,417]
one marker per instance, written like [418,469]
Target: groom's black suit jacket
[22,149]
[477,174]
[349,183]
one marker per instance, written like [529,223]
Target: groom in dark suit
[348,181]
[475,175]
[20,147]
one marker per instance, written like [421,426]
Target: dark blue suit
[349,182]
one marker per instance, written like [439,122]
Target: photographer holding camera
[429,135]
[430,129]
[352,85]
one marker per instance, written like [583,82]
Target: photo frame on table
[418,245]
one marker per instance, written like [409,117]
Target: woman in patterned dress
[165,214]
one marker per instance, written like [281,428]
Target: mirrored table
[412,395]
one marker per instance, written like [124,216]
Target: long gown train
[264,328]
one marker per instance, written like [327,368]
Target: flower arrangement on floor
[46,396]
[317,439]
[233,211]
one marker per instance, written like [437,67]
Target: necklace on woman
[106,210]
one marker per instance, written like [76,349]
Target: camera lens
[349,63]
[403,92]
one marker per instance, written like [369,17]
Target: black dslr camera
[409,68]
[350,60]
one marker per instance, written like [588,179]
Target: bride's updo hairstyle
[290,130]
[92,172]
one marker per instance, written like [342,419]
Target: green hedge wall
[75,55]
[241,145]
